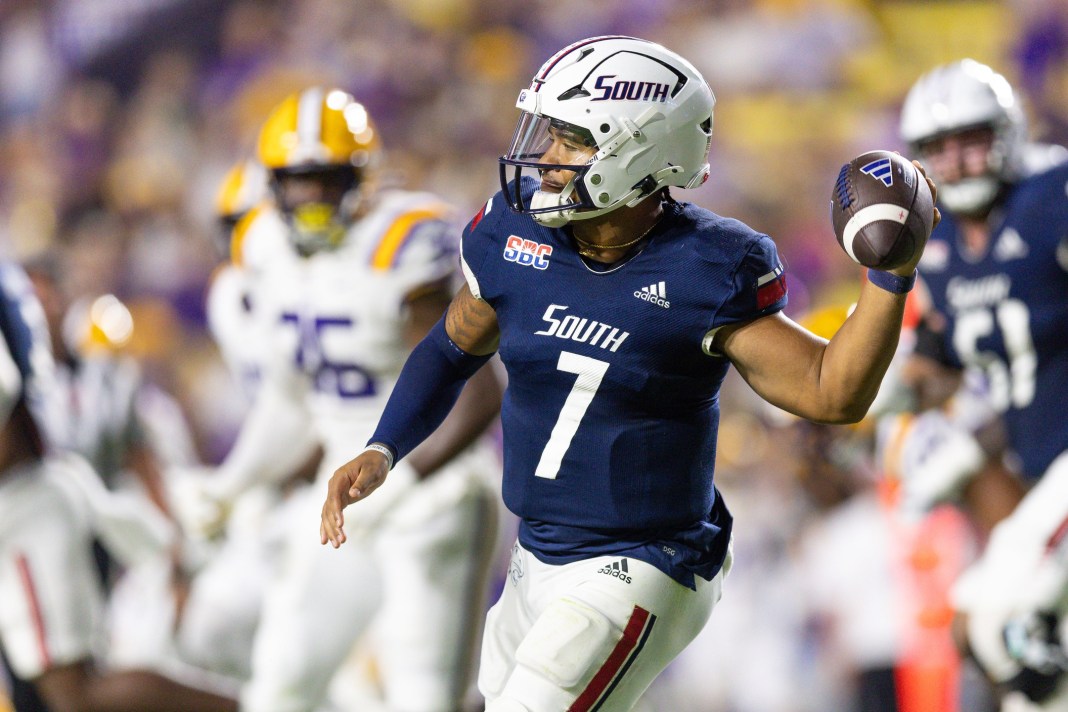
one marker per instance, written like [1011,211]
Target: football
[881,209]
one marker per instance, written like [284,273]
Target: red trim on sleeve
[771,292]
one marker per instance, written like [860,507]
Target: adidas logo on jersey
[617,569]
[655,293]
[1010,246]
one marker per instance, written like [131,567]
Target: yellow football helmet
[321,148]
[243,187]
[97,325]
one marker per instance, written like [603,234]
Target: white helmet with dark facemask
[645,108]
[961,96]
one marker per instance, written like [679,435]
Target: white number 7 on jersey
[590,372]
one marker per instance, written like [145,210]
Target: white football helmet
[647,110]
[960,96]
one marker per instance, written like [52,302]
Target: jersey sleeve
[759,284]
[258,238]
[477,244]
[10,381]
[758,288]
[418,247]
[25,333]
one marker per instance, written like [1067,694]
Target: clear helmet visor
[526,159]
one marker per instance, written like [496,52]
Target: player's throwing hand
[350,483]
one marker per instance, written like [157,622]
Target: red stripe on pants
[35,608]
[632,635]
[1058,536]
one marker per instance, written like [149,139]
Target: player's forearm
[856,359]
[475,410]
[428,388]
[142,462]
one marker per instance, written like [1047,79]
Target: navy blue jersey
[25,332]
[1008,311]
[612,406]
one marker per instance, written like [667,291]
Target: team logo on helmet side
[624,90]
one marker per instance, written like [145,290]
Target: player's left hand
[350,483]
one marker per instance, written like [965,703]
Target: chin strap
[544,199]
[559,218]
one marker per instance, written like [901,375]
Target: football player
[231,301]
[96,411]
[997,269]
[222,603]
[617,311]
[366,272]
[50,599]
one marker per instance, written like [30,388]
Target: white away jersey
[335,320]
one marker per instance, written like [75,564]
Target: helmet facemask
[968,195]
[533,138]
[318,203]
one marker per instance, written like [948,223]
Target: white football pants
[587,635]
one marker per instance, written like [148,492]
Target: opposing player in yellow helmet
[242,188]
[347,275]
[320,149]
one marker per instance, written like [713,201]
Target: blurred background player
[130,431]
[997,272]
[49,586]
[100,409]
[231,300]
[224,602]
[365,274]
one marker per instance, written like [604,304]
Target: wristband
[379,447]
[893,283]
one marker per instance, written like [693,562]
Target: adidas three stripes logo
[655,293]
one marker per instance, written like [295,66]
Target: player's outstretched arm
[827,382]
[429,384]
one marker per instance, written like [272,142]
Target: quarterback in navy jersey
[996,270]
[617,311]
[632,475]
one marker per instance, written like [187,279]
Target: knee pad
[566,642]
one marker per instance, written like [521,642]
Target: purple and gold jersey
[612,407]
[1008,311]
